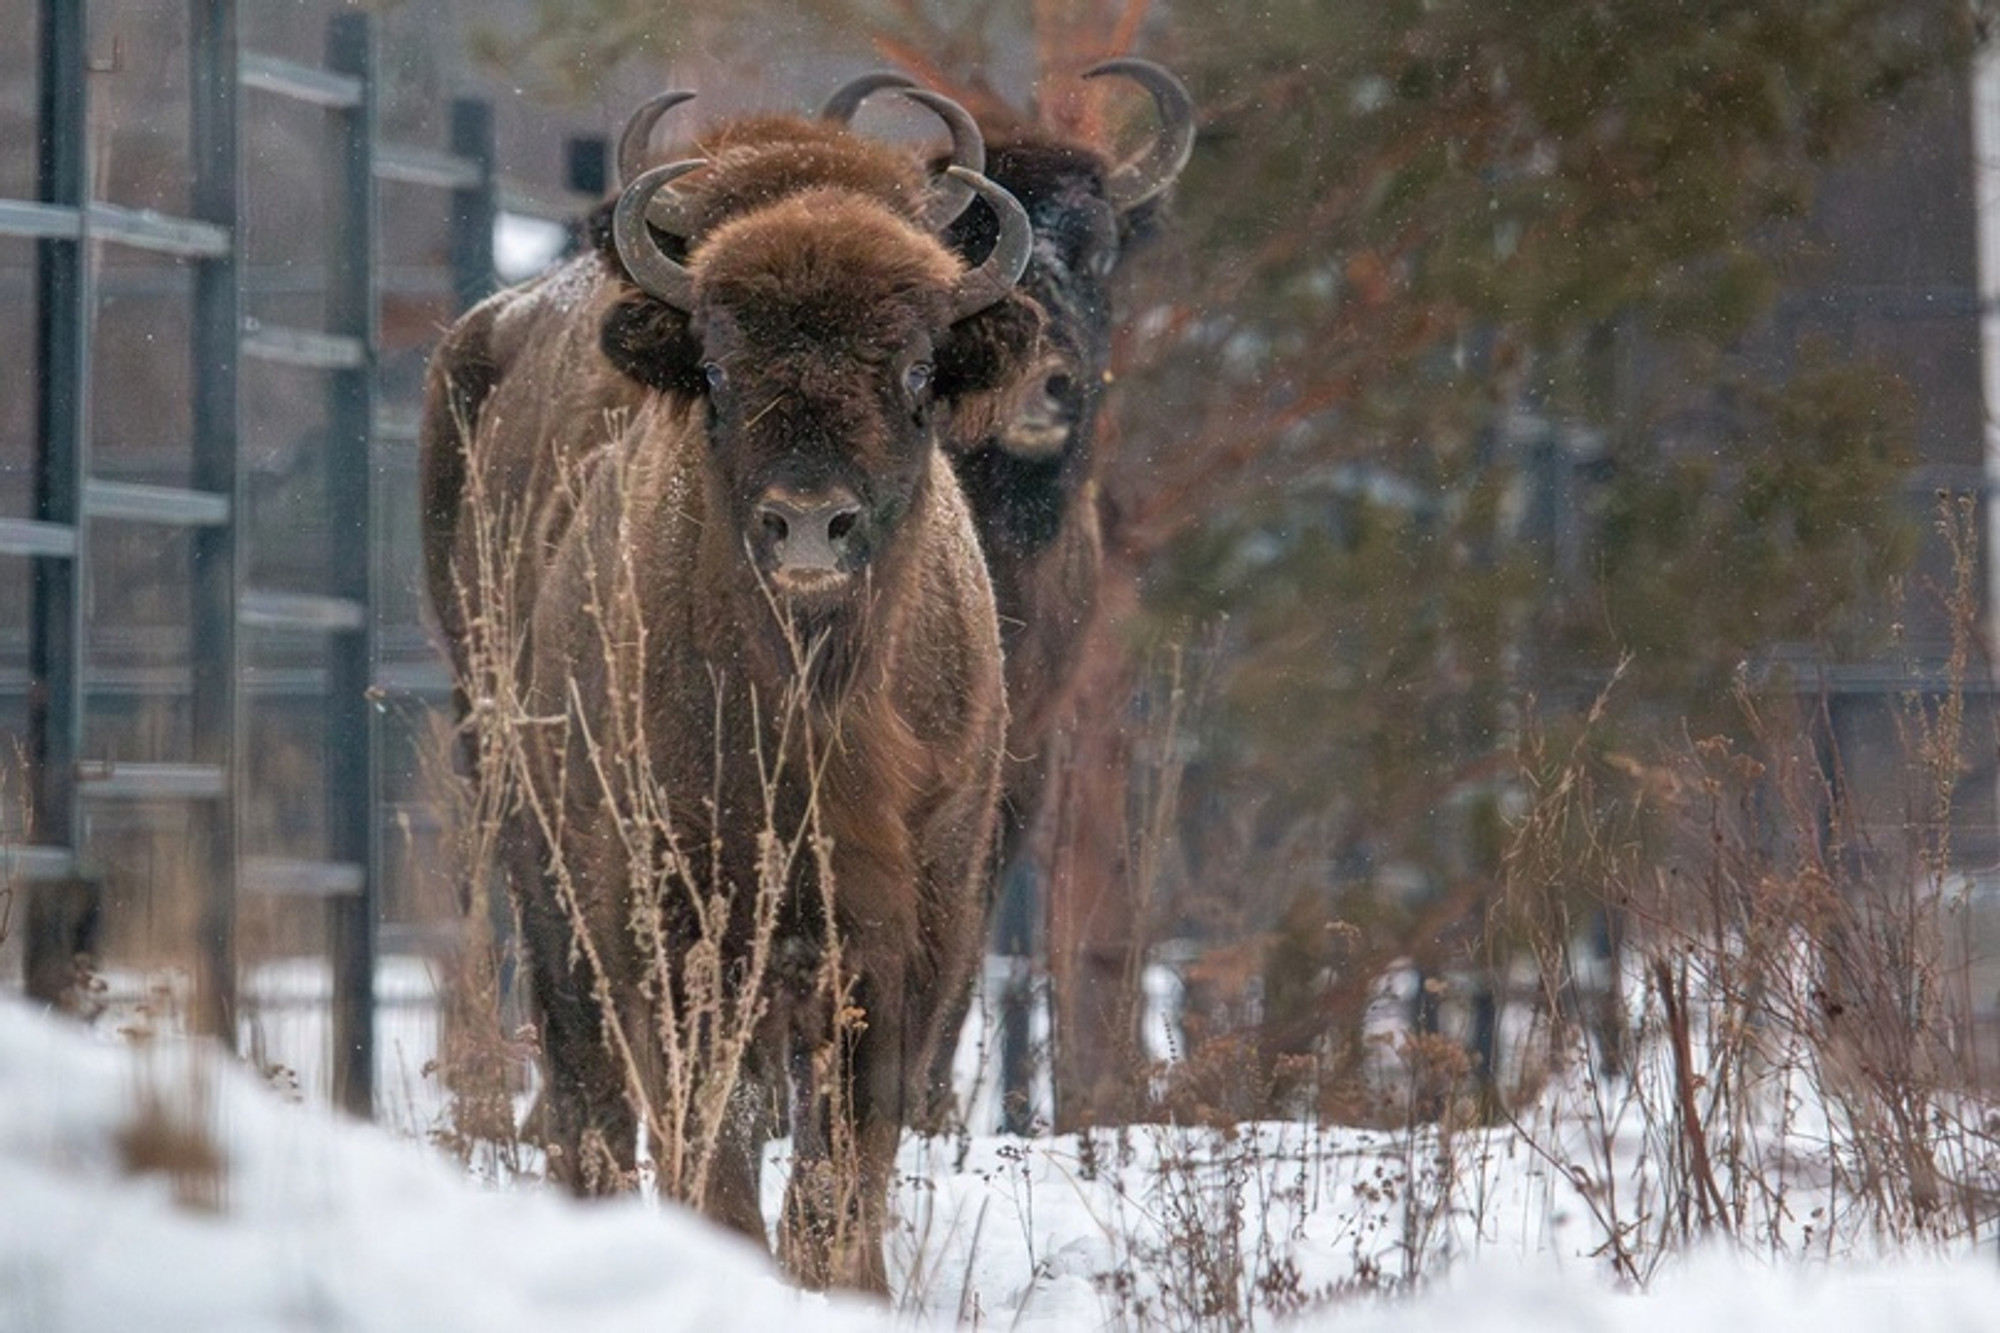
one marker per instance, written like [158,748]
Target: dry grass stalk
[172,1128]
[1801,1029]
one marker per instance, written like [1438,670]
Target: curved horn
[950,194]
[667,212]
[638,133]
[1145,176]
[657,275]
[1001,269]
[849,96]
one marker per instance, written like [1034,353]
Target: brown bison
[1028,472]
[737,602]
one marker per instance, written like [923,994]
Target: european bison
[1029,476]
[737,603]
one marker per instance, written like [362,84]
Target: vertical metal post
[62,428]
[215,579]
[1019,907]
[61,916]
[587,164]
[1985,170]
[351,748]
[475,209]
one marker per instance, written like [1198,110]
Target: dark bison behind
[1029,466]
[724,633]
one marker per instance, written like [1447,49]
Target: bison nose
[1053,402]
[1060,389]
[1048,408]
[808,532]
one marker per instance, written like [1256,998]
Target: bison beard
[724,631]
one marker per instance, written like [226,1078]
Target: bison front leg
[958,879]
[844,1140]
[587,1121]
[732,1196]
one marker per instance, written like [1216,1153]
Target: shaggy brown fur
[622,439]
[756,161]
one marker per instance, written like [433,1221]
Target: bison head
[1085,210]
[1033,448]
[824,332]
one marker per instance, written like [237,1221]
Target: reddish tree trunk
[1094,935]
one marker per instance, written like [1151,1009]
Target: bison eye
[716,376]
[917,378]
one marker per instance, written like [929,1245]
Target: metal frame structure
[69,227]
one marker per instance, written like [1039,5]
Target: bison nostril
[808,530]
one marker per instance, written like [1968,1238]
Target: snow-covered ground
[112,1217]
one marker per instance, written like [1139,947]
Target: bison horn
[1001,269]
[638,133]
[658,275]
[849,96]
[668,212]
[949,196]
[1146,175]
[949,193]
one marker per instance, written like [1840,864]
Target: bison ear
[989,350]
[652,343]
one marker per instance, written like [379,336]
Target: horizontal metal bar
[23,217]
[287,878]
[137,503]
[279,687]
[164,282]
[143,229]
[166,641]
[27,536]
[151,782]
[414,817]
[265,608]
[518,196]
[429,939]
[140,228]
[1881,300]
[304,347]
[424,679]
[301,83]
[407,164]
[393,426]
[24,863]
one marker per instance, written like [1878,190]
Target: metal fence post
[62,444]
[215,579]
[351,724]
[587,164]
[474,208]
